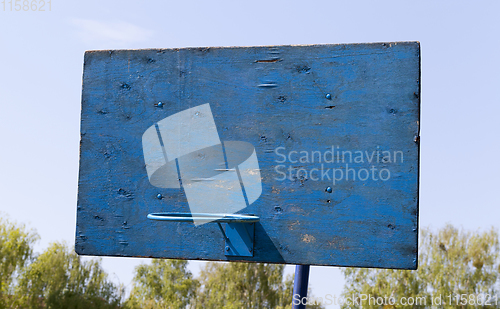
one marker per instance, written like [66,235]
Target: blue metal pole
[300,286]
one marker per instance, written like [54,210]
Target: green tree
[162,284]
[58,278]
[244,285]
[15,251]
[452,263]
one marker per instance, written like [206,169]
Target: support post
[300,286]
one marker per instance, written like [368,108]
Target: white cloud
[111,32]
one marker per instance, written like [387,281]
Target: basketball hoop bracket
[239,231]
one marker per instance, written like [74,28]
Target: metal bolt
[329,189]
[159,196]
[159,104]
[328,96]
[227,248]
[414,229]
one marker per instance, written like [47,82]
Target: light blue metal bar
[212,217]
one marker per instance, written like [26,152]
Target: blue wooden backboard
[329,134]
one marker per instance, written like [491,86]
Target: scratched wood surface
[271,97]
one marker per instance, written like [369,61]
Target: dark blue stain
[281,98]
[302,69]
[125,86]
[125,193]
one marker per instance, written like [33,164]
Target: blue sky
[41,59]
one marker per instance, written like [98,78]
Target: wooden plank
[274,98]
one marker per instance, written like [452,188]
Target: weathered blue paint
[270,97]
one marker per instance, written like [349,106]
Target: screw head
[328,96]
[159,104]
[329,189]
[159,196]
[227,248]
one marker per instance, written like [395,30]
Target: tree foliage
[15,251]
[168,284]
[58,278]
[243,285]
[453,264]
[162,284]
